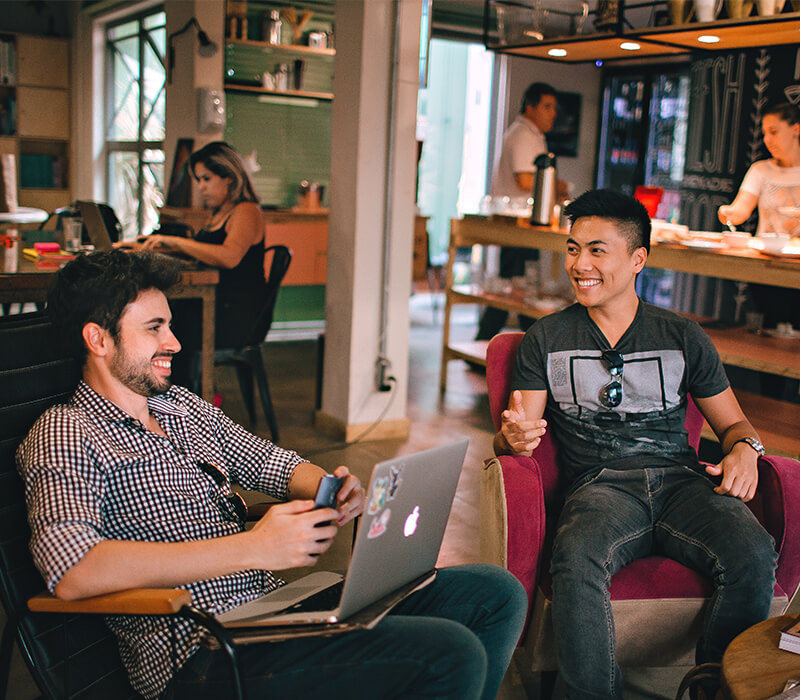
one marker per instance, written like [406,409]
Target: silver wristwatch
[755,444]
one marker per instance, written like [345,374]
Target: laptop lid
[95,225]
[408,504]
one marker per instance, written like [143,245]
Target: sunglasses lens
[611,394]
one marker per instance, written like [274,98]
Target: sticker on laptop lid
[379,524]
[394,482]
[377,499]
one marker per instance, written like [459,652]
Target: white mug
[707,10]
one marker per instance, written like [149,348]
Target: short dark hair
[96,288]
[534,93]
[785,111]
[630,215]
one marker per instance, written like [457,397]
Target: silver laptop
[95,225]
[398,542]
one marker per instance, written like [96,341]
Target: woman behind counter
[774,183]
[232,240]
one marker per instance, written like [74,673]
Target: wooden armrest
[135,601]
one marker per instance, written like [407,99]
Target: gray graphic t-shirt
[665,358]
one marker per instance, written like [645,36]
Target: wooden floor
[462,412]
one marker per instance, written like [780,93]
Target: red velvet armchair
[658,604]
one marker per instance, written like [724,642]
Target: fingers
[524,436]
[350,497]
[516,403]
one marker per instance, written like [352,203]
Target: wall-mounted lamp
[206,47]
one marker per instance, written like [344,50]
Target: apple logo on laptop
[410,526]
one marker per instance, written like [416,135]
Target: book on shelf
[790,637]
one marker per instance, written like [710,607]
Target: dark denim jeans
[620,516]
[453,639]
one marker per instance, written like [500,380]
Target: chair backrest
[281,258]
[69,656]
[500,357]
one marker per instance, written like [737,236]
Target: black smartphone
[329,486]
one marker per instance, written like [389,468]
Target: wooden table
[22,281]
[753,667]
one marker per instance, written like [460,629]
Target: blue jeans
[620,516]
[452,639]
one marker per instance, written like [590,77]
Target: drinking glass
[73,231]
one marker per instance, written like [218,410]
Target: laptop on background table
[95,225]
[408,502]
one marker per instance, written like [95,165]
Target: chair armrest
[775,506]
[135,601]
[512,525]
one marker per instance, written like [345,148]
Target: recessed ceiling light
[708,39]
[557,52]
[630,46]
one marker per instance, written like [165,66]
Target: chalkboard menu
[729,92]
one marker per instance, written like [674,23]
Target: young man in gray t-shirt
[613,374]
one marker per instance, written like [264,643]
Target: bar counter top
[743,265]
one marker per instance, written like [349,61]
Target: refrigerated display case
[643,134]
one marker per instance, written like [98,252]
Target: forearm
[304,481]
[736,432]
[216,255]
[115,565]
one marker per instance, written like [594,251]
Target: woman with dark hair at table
[232,240]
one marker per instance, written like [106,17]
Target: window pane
[159,19]
[123,191]
[154,79]
[123,30]
[125,98]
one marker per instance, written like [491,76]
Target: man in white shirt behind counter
[523,141]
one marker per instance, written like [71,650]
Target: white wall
[581,78]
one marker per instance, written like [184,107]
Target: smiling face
[780,137]
[600,264]
[214,189]
[144,346]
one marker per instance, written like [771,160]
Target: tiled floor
[462,411]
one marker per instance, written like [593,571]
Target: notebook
[406,511]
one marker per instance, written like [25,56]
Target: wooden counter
[743,265]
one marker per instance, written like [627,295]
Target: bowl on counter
[774,242]
[711,236]
[736,239]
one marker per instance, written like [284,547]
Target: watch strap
[755,444]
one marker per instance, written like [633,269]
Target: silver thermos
[544,189]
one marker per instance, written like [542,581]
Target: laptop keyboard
[326,599]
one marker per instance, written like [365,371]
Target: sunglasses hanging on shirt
[234,500]
[611,394]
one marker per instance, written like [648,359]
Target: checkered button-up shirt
[94,473]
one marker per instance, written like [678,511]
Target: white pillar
[365,32]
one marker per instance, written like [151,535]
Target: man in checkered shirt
[128,485]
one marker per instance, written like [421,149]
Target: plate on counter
[789,252]
[703,244]
[794,334]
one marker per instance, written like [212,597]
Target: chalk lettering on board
[760,86]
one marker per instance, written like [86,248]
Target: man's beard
[138,378]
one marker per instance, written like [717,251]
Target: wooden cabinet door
[42,61]
[43,113]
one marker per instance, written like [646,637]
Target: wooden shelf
[254,89]
[664,41]
[283,48]
[777,423]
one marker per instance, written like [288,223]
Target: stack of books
[790,637]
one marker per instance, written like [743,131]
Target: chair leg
[245,375]
[257,363]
